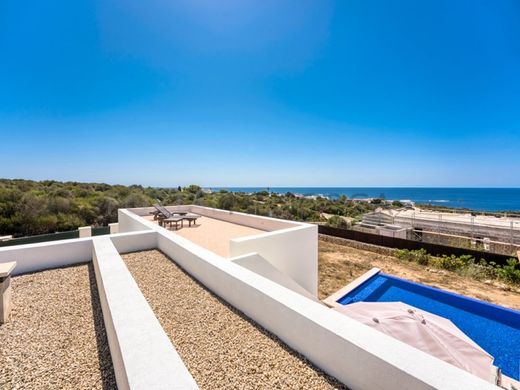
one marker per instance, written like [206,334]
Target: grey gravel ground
[56,337]
[220,346]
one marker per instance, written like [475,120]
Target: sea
[478,199]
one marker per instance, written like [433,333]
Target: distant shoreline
[489,200]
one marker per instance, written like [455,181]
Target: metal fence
[96,231]
[101,230]
[41,238]
[400,243]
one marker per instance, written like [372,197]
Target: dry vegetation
[340,264]
[220,346]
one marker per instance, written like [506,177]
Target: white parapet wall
[130,221]
[134,241]
[85,231]
[37,257]
[62,253]
[250,220]
[293,251]
[142,355]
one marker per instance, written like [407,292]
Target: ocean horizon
[478,199]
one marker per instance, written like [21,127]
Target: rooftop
[212,234]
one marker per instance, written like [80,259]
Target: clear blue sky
[267,92]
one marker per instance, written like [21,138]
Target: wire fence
[401,243]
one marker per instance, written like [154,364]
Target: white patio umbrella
[428,332]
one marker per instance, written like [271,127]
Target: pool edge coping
[332,300]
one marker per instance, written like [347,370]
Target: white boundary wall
[254,221]
[44,255]
[142,354]
[129,221]
[293,251]
[53,254]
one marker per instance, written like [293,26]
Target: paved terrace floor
[221,347]
[213,234]
[56,337]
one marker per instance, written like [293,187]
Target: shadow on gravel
[105,360]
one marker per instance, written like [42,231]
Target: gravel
[56,337]
[219,345]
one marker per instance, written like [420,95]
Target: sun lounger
[166,216]
[164,212]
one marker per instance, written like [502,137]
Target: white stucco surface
[142,354]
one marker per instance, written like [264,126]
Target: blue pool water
[496,329]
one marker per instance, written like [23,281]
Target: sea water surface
[480,199]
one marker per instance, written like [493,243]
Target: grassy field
[339,265]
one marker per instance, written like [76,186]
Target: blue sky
[261,93]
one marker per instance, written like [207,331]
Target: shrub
[480,270]
[338,222]
[509,272]
[451,263]
[418,256]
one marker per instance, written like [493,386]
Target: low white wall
[293,251]
[129,223]
[359,356]
[44,255]
[53,254]
[253,221]
[85,231]
[256,263]
[134,241]
[142,355]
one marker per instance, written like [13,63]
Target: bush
[339,222]
[454,263]
[465,265]
[509,272]
[480,270]
[418,256]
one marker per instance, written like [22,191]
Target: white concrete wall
[134,241]
[114,228]
[142,354]
[85,231]
[37,257]
[253,221]
[129,222]
[359,356]
[293,251]
[53,254]
[256,263]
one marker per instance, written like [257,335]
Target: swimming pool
[496,329]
